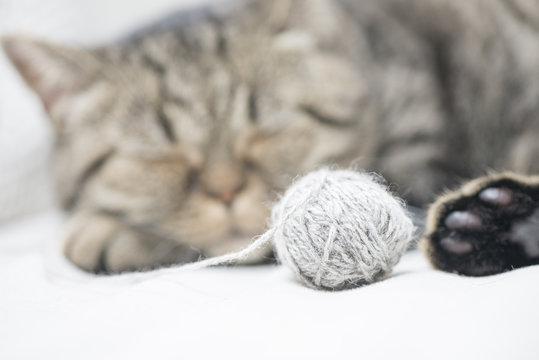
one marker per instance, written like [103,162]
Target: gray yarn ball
[340,229]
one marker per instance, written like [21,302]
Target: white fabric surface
[50,310]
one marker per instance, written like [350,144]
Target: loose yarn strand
[231,258]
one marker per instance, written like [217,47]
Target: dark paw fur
[490,225]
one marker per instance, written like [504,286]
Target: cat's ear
[52,71]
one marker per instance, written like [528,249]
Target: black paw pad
[456,245]
[463,220]
[487,230]
[497,196]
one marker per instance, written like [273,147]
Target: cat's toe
[497,196]
[86,241]
[509,199]
[456,245]
[463,220]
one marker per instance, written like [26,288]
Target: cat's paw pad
[488,226]
[101,244]
[497,196]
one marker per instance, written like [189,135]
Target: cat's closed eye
[166,126]
[322,118]
[253,106]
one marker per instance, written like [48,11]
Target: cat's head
[194,129]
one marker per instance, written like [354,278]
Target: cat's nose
[223,181]
[227,196]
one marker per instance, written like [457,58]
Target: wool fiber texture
[340,229]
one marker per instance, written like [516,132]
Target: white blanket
[51,310]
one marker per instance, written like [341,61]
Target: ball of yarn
[339,229]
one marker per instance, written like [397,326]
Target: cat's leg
[490,225]
[103,244]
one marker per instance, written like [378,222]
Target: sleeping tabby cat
[171,142]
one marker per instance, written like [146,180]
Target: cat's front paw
[488,226]
[102,244]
